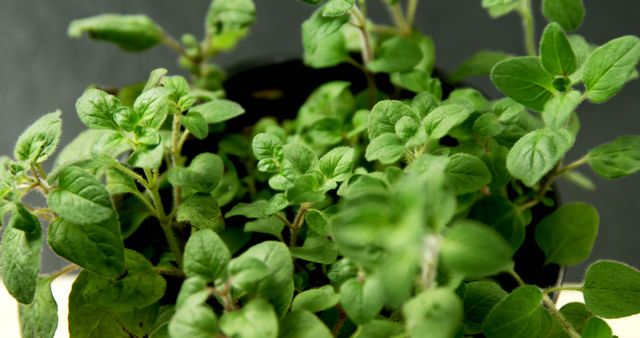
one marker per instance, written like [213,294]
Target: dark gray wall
[42,70]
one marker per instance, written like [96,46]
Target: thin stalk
[145,201]
[572,166]
[562,288]
[342,318]
[516,277]
[399,19]
[65,270]
[412,8]
[297,224]
[175,155]
[40,182]
[123,169]
[528,24]
[367,52]
[566,326]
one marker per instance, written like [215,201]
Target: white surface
[9,328]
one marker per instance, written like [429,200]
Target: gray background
[42,70]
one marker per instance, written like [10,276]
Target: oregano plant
[393,210]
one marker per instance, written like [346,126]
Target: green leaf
[272,226]
[218,110]
[384,115]
[331,51]
[202,212]
[318,27]
[23,219]
[299,158]
[379,328]
[315,300]
[246,272]
[141,286]
[196,124]
[502,215]
[40,318]
[478,64]
[558,110]
[397,54]
[203,174]
[96,247]
[498,8]
[96,109]
[40,140]
[488,125]
[568,13]
[20,262]
[277,287]
[337,164]
[132,214]
[596,328]
[466,173]
[536,153]
[228,21]
[111,143]
[387,148]
[316,248]
[479,298]
[305,189]
[612,289]
[129,32]
[80,197]
[153,106]
[442,119]
[518,315]
[577,314]
[155,79]
[78,150]
[556,54]
[303,324]
[126,118]
[147,157]
[206,255]
[437,311]
[616,159]
[362,300]
[475,250]
[524,80]
[609,67]
[195,322]
[567,235]
[335,8]
[254,319]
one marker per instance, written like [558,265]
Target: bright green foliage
[524,80]
[466,173]
[611,289]
[596,328]
[361,300]
[255,319]
[129,32]
[202,212]
[442,119]
[577,314]
[217,111]
[556,54]
[206,255]
[520,314]
[203,173]
[40,140]
[568,13]
[616,159]
[396,55]
[438,311]
[478,300]
[303,324]
[558,110]
[228,21]
[320,27]
[40,318]
[568,234]
[20,262]
[478,64]
[315,300]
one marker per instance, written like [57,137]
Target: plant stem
[165,221]
[528,23]
[39,181]
[145,201]
[566,326]
[412,8]
[65,270]
[572,166]
[517,278]
[367,52]
[175,155]
[528,205]
[297,224]
[119,166]
[562,288]
[342,318]
[170,272]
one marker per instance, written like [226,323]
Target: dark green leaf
[397,54]
[20,262]
[40,140]
[524,80]
[316,248]
[577,314]
[437,311]
[609,67]
[315,300]
[479,298]
[536,153]
[362,300]
[197,321]
[337,164]
[299,158]
[518,315]
[466,173]
[245,272]
[218,110]
[567,235]
[502,215]
[384,115]
[379,328]
[254,319]
[305,189]
[129,32]
[568,13]
[196,124]
[203,174]
[202,212]
[596,328]
[40,318]
[23,219]
[616,159]
[206,255]
[96,247]
[442,119]
[556,54]
[303,324]
[612,289]
[478,64]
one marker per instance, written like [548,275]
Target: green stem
[297,224]
[572,166]
[123,169]
[145,201]
[566,326]
[342,318]
[562,288]
[516,277]
[175,155]
[65,270]
[528,23]
[399,19]
[412,8]
[367,52]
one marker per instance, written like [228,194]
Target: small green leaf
[315,300]
[303,324]
[153,106]
[305,189]
[245,272]
[155,78]
[609,67]
[316,248]
[40,140]
[129,32]
[475,250]
[502,215]
[327,131]
[196,124]
[568,13]
[197,321]
[254,319]
[612,289]
[148,157]
[616,159]
[558,110]
[437,311]
[466,173]
[567,235]
[479,298]
[337,7]
[577,314]
[20,262]
[299,158]
[218,110]
[96,109]
[111,143]
[228,21]
[330,52]
[387,148]
[556,54]
[524,80]
[80,197]
[397,54]
[384,115]
[206,255]
[272,226]
[202,212]
[23,219]
[478,64]
[337,164]
[442,119]
[498,8]
[40,318]
[362,301]
[257,209]
[203,174]
[318,27]
[536,153]
[518,315]
[126,118]
[596,328]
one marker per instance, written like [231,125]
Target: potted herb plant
[390,202]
